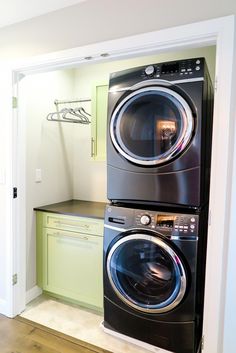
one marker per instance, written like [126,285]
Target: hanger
[71,115]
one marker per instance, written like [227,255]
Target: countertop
[76,208]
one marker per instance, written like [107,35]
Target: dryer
[159,134]
[154,265]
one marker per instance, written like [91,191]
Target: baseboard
[33,293]
[144,345]
[3,307]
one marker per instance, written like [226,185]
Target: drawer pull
[82,237]
[86,226]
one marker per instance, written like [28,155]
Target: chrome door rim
[178,264]
[180,144]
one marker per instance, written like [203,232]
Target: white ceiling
[13,11]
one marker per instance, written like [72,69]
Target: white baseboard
[33,293]
[3,307]
[144,345]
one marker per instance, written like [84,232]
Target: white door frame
[220,32]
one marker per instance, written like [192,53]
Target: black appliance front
[159,135]
[154,277]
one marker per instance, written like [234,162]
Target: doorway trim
[219,32]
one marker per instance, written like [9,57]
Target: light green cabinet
[69,257]
[99,121]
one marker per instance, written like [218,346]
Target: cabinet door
[99,121]
[73,265]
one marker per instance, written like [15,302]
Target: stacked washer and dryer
[158,163]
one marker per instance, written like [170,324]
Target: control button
[181,227]
[192,219]
[186,73]
[181,230]
[189,69]
[197,68]
[198,62]
[192,226]
[185,231]
[145,220]
[191,73]
[183,70]
[185,227]
[149,70]
[181,73]
[158,75]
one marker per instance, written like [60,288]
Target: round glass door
[146,273]
[151,125]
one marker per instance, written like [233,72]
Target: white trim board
[218,31]
[32,294]
[3,307]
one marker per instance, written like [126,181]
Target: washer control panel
[176,70]
[168,223]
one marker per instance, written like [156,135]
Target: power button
[145,220]
[149,70]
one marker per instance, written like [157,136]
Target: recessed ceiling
[13,11]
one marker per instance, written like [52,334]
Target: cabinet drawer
[74,224]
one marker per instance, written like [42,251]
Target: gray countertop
[76,208]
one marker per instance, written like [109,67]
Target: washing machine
[154,265]
[159,134]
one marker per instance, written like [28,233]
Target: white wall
[48,147]
[94,21]
[5,192]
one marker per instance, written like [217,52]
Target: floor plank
[23,336]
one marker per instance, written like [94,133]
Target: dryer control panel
[193,69]
[175,70]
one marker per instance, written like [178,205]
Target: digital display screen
[170,68]
[165,221]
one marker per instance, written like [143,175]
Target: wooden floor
[23,336]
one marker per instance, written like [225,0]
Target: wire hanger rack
[77,115]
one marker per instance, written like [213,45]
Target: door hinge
[14,279]
[216,84]
[14,102]
[209,218]
[14,193]
[202,344]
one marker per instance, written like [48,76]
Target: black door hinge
[14,193]
[14,279]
